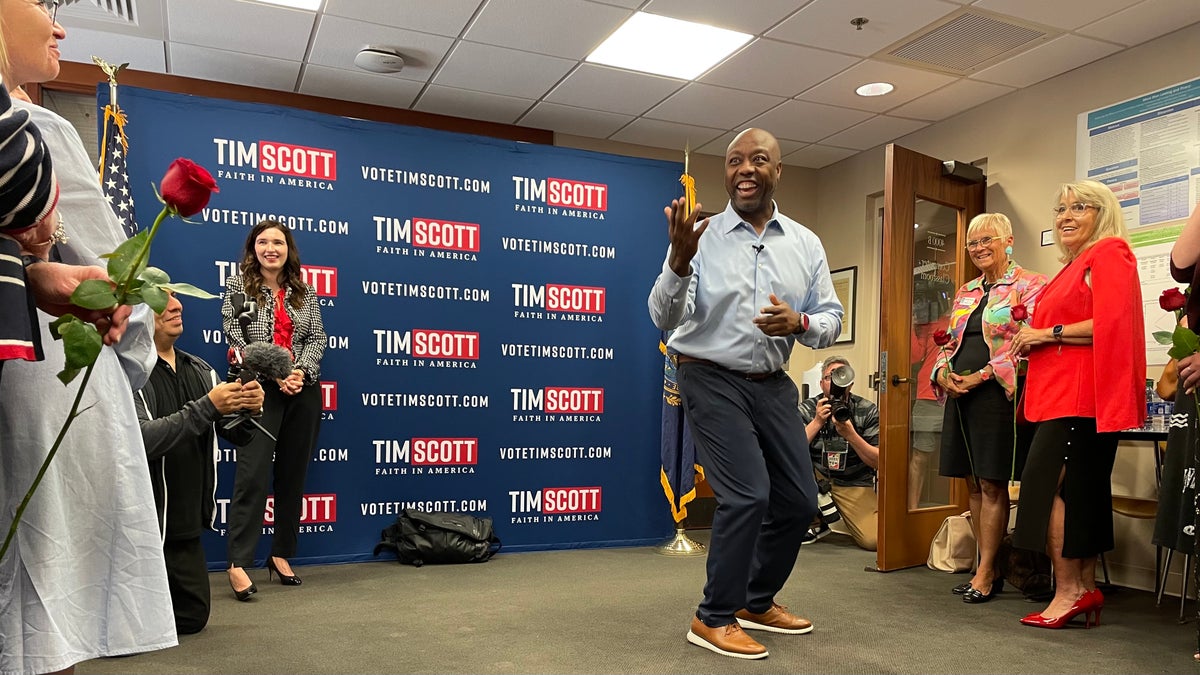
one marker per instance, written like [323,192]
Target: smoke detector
[379,60]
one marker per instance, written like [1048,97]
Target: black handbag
[439,537]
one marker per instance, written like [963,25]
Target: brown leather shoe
[728,640]
[777,620]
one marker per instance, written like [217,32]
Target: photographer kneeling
[843,438]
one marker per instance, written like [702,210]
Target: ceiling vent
[967,41]
[107,11]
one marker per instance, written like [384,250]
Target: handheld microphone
[265,359]
[758,248]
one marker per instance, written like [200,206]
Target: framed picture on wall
[845,284]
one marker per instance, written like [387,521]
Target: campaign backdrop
[489,347]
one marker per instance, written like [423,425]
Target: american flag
[114,181]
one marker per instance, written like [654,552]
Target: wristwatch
[803,324]
[1057,330]
[985,374]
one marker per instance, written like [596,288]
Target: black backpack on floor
[438,537]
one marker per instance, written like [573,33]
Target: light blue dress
[85,576]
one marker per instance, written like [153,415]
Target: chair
[1144,508]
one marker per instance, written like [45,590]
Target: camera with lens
[839,393]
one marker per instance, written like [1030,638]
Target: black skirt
[1071,447]
[978,435]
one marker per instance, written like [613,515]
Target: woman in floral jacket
[978,369]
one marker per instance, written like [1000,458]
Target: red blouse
[1106,379]
[283,323]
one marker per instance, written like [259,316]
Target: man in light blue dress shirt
[738,291]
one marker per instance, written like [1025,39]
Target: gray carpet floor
[627,611]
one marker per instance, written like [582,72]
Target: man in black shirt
[845,455]
[177,409]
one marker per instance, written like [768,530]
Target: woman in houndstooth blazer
[288,315]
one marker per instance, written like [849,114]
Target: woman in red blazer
[1086,381]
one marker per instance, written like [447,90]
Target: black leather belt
[753,377]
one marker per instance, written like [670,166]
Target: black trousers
[750,440]
[295,421]
[187,578]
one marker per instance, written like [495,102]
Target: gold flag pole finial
[111,71]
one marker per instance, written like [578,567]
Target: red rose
[941,338]
[1019,312]
[187,187]
[1172,300]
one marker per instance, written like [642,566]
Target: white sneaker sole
[701,642]
[773,629]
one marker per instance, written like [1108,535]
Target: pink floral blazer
[1017,286]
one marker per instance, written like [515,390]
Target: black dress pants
[750,440]
[295,421]
[187,578]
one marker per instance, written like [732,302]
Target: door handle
[896,379]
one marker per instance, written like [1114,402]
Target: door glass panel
[935,250]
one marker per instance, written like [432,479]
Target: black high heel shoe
[244,594]
[285,579]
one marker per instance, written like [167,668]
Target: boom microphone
[267,359]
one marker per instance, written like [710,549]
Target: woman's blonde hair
[998,222]
[1109,220]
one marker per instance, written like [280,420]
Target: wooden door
[924,262]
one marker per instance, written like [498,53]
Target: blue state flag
[114,179]
[679,468]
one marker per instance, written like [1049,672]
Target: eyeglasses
[1077,209]
[981,242]
[51,8]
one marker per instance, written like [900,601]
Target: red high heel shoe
[1086,604]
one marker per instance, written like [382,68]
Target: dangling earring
[1008,250]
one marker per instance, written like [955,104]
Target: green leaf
[1184,343]
[189,290]
[1162,337]
[94,294]
[153,275]
[134,298]
[56,326]
[156,297]
[81,344]
[67,374]
[120,260]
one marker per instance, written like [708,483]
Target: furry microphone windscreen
[267,359]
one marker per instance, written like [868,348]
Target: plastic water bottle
[1153,421]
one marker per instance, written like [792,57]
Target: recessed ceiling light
[310,5]
[663,46]
[874,89]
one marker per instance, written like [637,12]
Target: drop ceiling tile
[242,28]
[1144,22]
[630,4]
[950,100]
[757,67]
[818,156]
[1065,14]
[444,17]
[744,17]
[362,87]
[809,122]
[338,40]
[578,121]
[1046,60]
[222,66]
[140,53]
[875,131]
[476,105]
[501,71]
[613,89]
[720,144]
[708,106]
[658,134]
[909,82]
[566,28]
[826,23]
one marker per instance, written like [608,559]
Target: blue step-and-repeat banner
[485,300]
